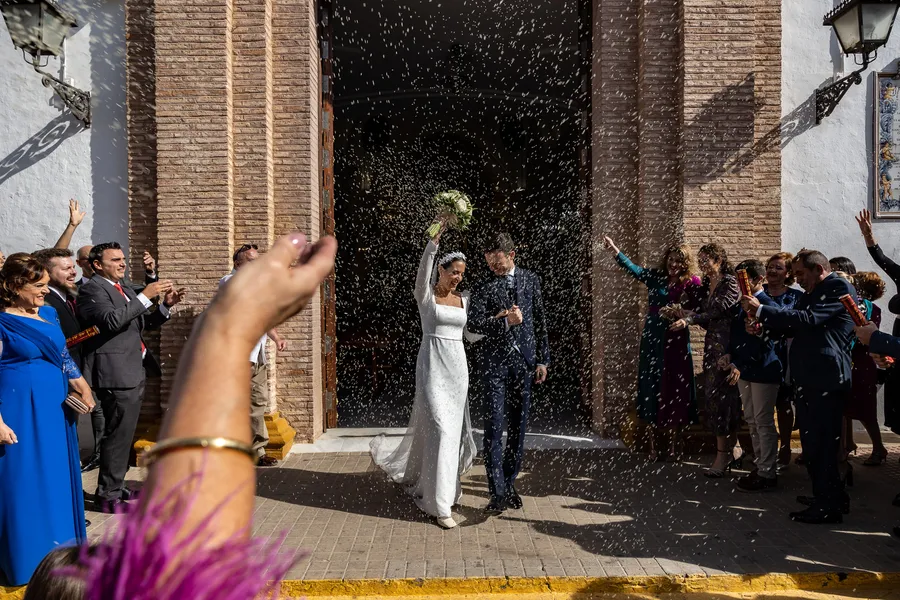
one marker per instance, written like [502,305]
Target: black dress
[892,385]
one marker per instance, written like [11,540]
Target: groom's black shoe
[512,498]
[495,507]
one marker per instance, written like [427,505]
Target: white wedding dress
[438,446]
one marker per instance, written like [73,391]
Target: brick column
[254,207]
[766,153]
[254,200]
[718,114]
[140,42]
[615,208]
[296,103]
[195,157]
[659,135]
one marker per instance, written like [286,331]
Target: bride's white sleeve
[423,278]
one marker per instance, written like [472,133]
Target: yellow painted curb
[577,587]
[593,585]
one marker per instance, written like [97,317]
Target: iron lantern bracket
[78,101]
[828,97]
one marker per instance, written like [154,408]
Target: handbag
[76,403]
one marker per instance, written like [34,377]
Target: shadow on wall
[109,141]
[716,138]
[40,145]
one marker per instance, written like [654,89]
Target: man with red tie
[116,361]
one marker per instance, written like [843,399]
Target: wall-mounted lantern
[40,29]
[861,27]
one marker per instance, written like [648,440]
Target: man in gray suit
[116,359]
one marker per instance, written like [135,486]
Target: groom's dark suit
[508,356]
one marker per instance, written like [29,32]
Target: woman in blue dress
[41,501]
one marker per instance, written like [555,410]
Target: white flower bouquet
[455,210]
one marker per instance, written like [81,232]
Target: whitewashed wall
[46,156]
[827,172]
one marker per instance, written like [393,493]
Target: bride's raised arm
[426,266]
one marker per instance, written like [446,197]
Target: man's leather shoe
[495,507]
[87,523]
[754,482]
[116,506]
[513,500]
[809,500]
[267,461]
[817,516]
[92,463]
[128,494]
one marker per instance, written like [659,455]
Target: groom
[509,312]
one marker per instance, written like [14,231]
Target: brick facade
[224,130]
[223,150]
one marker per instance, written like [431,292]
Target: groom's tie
[511,287]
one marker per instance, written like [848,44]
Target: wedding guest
[204,454]
[666,397]
[713,308]
[116,359]
[63,291]
[62,297]
[2,260]
[83,260]
[779,280]
[754,362]
[52,579]
[41,500]
[779,287]
[259,370]
[819,363]
[76,216]
[892,383]
[863,404]
[842,266]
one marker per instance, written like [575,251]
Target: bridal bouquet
[455,211]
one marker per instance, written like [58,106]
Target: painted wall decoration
[887,146]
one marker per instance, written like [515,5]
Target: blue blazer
[529,338]
[822,331]
[885,344]
[755,357]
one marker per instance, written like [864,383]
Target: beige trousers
[259,403]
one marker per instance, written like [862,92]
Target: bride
[438,446]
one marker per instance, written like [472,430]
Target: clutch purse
[77,404]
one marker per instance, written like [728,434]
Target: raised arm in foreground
[190,541]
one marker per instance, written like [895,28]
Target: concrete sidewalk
[588,513]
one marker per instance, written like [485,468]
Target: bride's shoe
[446,522]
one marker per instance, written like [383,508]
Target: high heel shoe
[714,473]
[876,459]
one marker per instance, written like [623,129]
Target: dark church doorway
[481,96]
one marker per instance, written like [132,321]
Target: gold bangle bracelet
[215,443]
